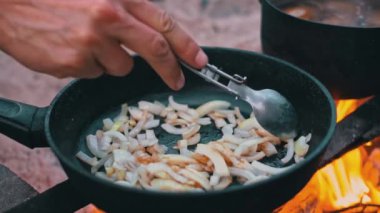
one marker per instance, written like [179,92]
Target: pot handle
[361,126]
[23,123]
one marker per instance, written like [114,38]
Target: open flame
[350,181]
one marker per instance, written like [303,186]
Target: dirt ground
[211,22]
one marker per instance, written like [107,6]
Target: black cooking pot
[79,108]
[345,59]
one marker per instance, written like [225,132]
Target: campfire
[348,184]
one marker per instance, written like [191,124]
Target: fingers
[152,46]
[113,58]
[181,42]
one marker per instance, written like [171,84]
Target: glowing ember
[352,180]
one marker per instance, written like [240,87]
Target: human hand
[83,38]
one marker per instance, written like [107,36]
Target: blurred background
[223,23]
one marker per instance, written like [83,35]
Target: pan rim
[240,188]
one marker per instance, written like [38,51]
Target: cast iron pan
[80,107]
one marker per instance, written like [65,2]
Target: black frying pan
[79,108]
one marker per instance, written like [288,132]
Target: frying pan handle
[361,126]
[23,123]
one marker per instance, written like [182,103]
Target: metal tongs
[272,110]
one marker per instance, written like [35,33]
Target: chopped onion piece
[242,173]
[107,124]
[173,130]
[172,116]
[151,124]
[192,130]
[92,161]
[194,139]
[196,176]
[204,121]
[169,185]
[185,116]
[220,122]
[136,130]
[157,167]
[151,107]
[182,146]
[301,147]
[268,148]
[208,107]
[228,129]
[92,145]
[214,180]
[224,182]
[256,156]
[242,133]
[177,106]
[246,146]
[289,152]
[220,165]
[116,134]
[177,159]
[135,112]
[267,169]
[249,124]
[99,164]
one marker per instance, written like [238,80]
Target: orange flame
[351,180]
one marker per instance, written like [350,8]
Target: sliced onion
[157,167]
[248,175]
[177,106]
[232,139]
[268,148]
[92,161]
[185,116]
[196,176]
[135,112]
[224,183]
[220,122]
[250,123]
[289,152]
[151,107]
[173,130]
[194,139]
[99,164]
[301,147]
[256,165]
[120,158]
[192,130]
[214,180]
[104,143]
[254,157]
[116,134]
[246,146]
[169,185]
[220,165]
[136,130]
[204,121]
[107,124]
[177,159]
[151,124]
[92,145]
[242,133]
[182,146]
[228,129]
[208,107]
[172,116]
